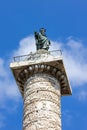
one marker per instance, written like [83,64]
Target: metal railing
[32,56]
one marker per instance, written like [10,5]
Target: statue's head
[42,31]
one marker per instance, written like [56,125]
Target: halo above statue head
[42,29]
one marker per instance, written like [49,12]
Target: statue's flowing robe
[42,42]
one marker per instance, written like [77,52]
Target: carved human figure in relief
[41,39]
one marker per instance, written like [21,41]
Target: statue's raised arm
[41,39]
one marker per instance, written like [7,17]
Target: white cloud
[8,88]
[26,46]
[76,63]
[82,95]
[2,71]
[8,92]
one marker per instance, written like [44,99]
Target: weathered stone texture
[42,103]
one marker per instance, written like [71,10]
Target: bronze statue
[41,39]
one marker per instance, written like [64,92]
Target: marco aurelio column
[42,81]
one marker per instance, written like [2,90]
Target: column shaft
[42,109]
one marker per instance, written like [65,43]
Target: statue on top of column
[41,39]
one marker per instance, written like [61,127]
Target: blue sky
[66,24]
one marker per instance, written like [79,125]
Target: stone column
[42,109]
[42,80]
